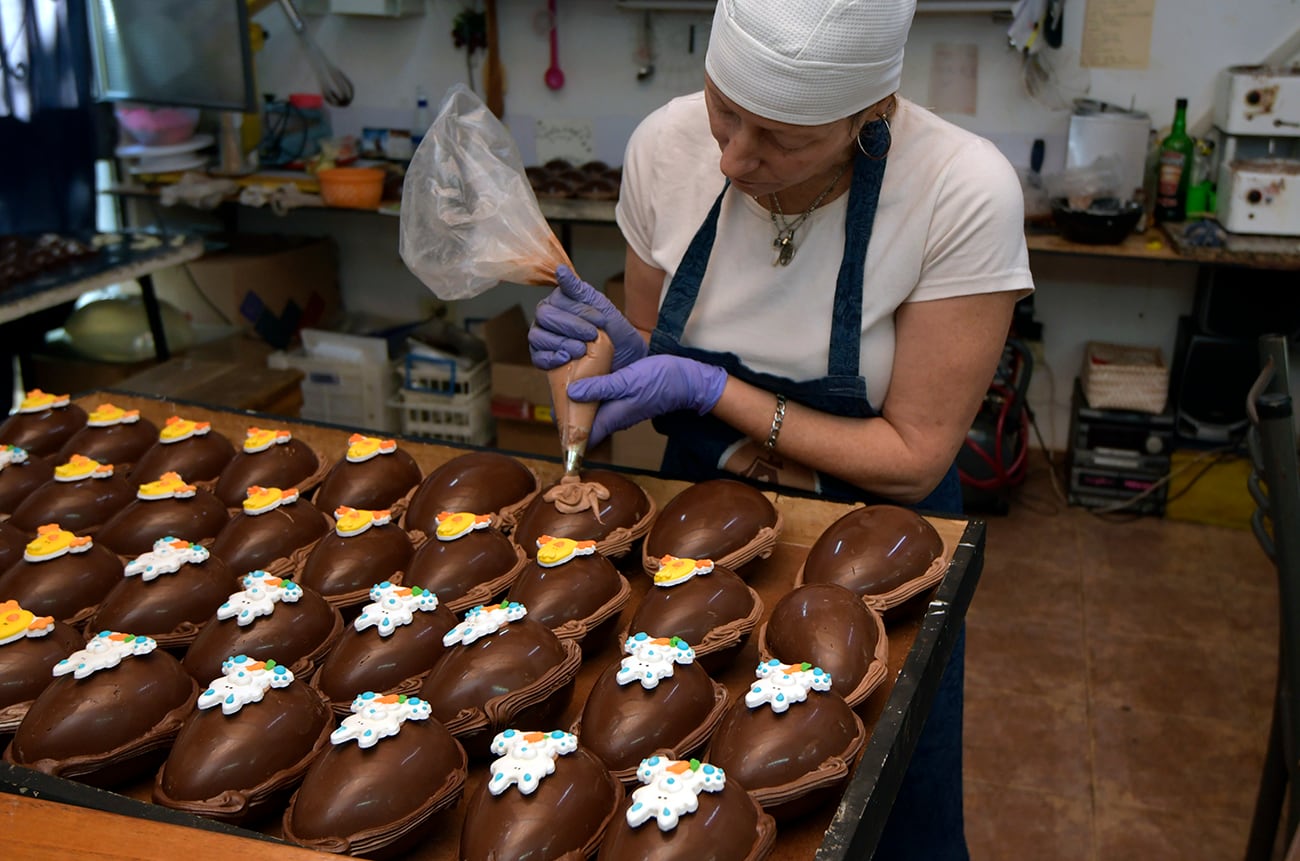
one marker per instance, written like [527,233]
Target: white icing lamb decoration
[483,620]
[672,789]
[526,758]
[12,455]
[376,716]
[104,651]
[780,685]
[261,593]
[243,680]
[393,607]
[167,557]
[651,659]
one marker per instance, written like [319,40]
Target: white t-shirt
[950,222]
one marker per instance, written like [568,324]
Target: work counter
[42,813]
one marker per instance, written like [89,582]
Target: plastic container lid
[306,101]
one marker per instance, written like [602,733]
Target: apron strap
[685,286]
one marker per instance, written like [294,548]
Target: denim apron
[926,821]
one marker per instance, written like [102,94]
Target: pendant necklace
[784,242]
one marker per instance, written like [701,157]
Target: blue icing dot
[667,812]
[368,732]
[528,778]
[708,769]
[368,695]
[780,698]
[498,776]
[239,659]
[230,698]
[509,733]
[557,733]
[671,781]
[641,636]
[636,806]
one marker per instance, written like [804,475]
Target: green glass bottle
[1174,169]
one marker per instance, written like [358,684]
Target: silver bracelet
[778,418]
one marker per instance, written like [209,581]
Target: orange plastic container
[352,187]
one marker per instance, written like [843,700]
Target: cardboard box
[269,285]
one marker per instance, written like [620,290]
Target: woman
[820,277]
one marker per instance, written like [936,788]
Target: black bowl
[1106,222]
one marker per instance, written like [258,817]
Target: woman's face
[761,156]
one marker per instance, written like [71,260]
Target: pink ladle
[554,77]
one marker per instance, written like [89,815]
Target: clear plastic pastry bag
[469,216]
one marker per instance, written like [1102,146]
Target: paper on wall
[954,78]
[1117,34]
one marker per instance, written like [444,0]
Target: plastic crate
[348,380]
[459,418]
[434,375]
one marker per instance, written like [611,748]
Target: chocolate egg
[791,742]
[268,458]
[104,727]
[20,474]
[381,797]
[711,609]
[389,648]
[486,482]
[719,821]
[342,567]
[43,423]
[830,627]
[30,646]
[191,448]
[519,673]
[570,588]
[111,435]
[82,496]
[722,519]
[372,475]
[656,699]
[603,506]
[879,552]
[12,543]
[270,617]
[564,810]
[168,506]
[168,594]
[246,743]
[62,575]
[466,570]
[272,525]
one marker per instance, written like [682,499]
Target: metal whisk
[334,85]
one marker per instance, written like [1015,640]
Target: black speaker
[1236,302]
[1212,375]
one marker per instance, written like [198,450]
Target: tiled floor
[1119,681]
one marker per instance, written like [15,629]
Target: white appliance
[1098,129]
[1258,100]
[1260,196]
[1257,117]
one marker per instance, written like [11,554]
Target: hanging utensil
[645,53]
[334,85]
[493,75]
[554,77]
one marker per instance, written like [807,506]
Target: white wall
[1077,300]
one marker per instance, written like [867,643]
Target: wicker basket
[1118,377]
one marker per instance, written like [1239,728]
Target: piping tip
[573,459]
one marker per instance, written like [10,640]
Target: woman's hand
[647,388]
[570,316]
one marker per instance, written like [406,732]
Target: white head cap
[808,62]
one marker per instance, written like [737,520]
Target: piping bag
[574,419]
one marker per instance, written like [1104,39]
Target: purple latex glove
[569,317]
[647,388]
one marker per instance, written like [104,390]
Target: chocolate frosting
[282,466]
[873,550]
[26,664]
[77,506]
[119,444]
[20,480]
[763,749]
[624,724]
[371,485]
[626,506]
[218,760]
[365,661]
[568,811]
[66,587]
[827,626]
[467,677]
[727,826]
[295,634]
[471,570]
[339,567]
[45,432]
[13,543]
[78,727]
[571,591]
[360,799]
[135,528]
[253,541]
[171,608]
[710,520]
[484,482]
[199,458]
